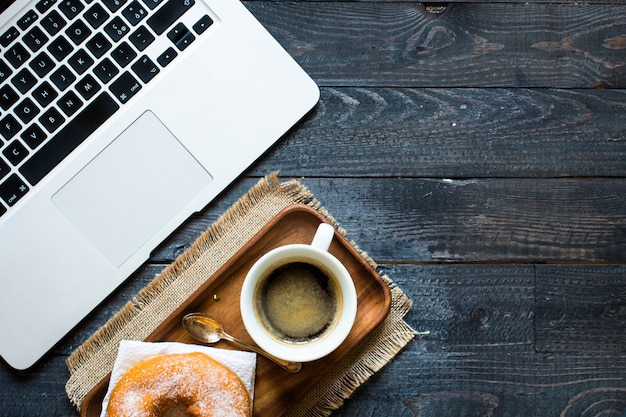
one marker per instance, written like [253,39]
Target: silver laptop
[119,119]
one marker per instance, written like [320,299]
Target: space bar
[68,138]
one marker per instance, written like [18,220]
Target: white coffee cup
[298,302]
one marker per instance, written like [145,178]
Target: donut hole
[176,410]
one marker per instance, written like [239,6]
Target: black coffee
[297,302]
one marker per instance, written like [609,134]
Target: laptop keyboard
[67,66]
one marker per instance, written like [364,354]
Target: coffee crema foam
[297,302]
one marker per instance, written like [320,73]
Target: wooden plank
[469,307]
[581,308]
[525,220]
[498,384]
[438,7]
[470,45]
[476,220]
[457,133]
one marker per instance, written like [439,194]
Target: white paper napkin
[130,352]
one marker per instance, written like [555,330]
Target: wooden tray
[275,389]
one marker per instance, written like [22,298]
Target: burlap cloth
[93,360]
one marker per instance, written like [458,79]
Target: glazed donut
[193,382]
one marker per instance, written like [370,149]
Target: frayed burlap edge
[93,360]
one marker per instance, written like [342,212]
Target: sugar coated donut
[195,382]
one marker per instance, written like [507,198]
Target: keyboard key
[4,169]
[141,38]
[28,19]
[106,70]
[9,126]
[51,120]
[13,189]
[116,28]
[5,71]
[145,69]
[113,5]
[26,110]
[78,32]
[68,138]
[87,87]
[15,152]
[44,5]
[60,48]
[169,13]
[62,77]
[177,32]
[69,103]
[96,16]
[166,57]
[134,13]
[80,61]
[123,54]
[42,64]
[203,24]
[9,36]
[53,23]
[17,55]
[125,87]
[35,39]
[8,97]
[98,45]
[24,80]
[44,94]
[181,36]
[33,135]
[152,4]
[71,8]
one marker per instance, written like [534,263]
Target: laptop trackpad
[127,193]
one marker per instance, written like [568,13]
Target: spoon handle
[292,367]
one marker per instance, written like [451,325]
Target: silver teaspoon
[208,330]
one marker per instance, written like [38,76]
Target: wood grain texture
[465,308]
[479,383]
[457,133]
[469,45]
[580,308]
[438,7]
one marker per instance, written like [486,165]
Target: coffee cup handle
[323,236]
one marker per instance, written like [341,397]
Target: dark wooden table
[477,151]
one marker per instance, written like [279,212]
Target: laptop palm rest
[130,190]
